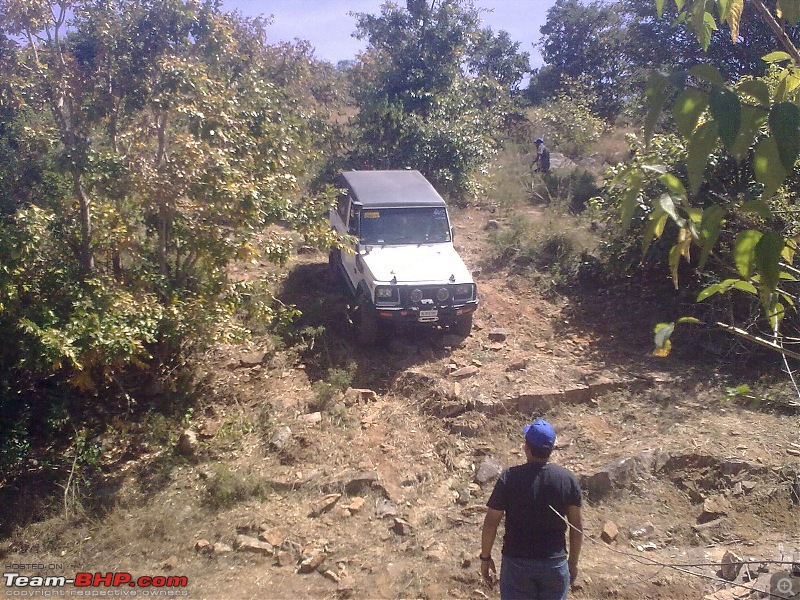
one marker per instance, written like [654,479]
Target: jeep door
[349,257]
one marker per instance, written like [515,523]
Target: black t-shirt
[525,493]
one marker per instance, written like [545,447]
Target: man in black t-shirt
[535,498]
[542,161]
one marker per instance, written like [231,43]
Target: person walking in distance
[541,163]
[536,499]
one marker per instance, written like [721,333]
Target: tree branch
[778,30]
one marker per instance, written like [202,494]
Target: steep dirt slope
[379,492]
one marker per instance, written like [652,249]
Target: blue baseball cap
[538,141]
[540,434]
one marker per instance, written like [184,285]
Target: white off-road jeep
[403,269]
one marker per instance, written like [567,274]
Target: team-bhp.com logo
[157,585]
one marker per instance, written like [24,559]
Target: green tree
[148,143]
[584,42]
[748,131]
[495,56]
[417,107]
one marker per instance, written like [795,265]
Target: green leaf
[655,93]
[757,206]
[687,110]
[756,89]
[744,251]
[768,167]
[786,85]
[724,7]
[662,333]
[752,118]
[784,122]
[710,226]
[655,227]
[789,10]
[779,56]
[673,184]
[767,257]
[717,288]
[660,8]
[692,320]
[631,200]
[667,203]
[745,286]
[726,110]
[708,73]
[701,144]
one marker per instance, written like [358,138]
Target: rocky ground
[278,490]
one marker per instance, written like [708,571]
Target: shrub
[568,125]
[226,488]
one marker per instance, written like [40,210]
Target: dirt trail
[413,447]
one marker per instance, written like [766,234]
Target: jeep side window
[355,217]
[341,206]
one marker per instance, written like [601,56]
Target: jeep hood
[426,263]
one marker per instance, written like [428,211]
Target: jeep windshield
[394,226]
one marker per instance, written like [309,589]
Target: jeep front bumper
[427,314]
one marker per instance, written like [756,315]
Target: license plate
[428,314]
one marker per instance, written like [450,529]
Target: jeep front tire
[463,326]
[366,321]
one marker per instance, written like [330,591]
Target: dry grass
[613,147]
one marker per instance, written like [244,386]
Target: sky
[327,25]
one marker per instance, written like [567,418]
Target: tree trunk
[87,251]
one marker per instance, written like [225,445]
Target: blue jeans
[528,579]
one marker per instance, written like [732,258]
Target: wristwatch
[485,558]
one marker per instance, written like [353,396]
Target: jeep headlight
[385,294]
[463,291]
[442,294]
[416,295]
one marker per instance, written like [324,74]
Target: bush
[567,190]
[557,245]
[226,488]
[568,126]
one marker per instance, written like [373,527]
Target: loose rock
[489,470]
[220,548]
[610,532]
[356,504]
[324,504]
[275,537]
[713,507]
[310,560]
[187,443]
[385,508]
[731,565]
[401,526]
[245,543]
[464,372]
[497,335]
[280,438]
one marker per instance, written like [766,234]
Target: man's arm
[575,540]
[488,534]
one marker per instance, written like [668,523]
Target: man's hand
[489,571]
[573,573]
